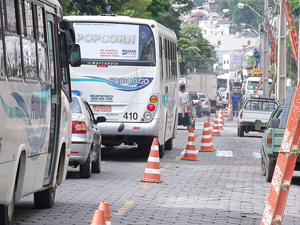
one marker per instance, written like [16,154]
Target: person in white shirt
[183,116]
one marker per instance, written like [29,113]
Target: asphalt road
[223,187]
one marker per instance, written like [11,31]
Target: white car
[205,103]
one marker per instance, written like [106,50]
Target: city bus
[129,74]
[35,101]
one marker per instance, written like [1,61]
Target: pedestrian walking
[183,116]
[235,101]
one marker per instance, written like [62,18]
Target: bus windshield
[112,41]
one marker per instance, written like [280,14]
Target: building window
[219,42]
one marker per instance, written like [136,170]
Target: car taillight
[78,127]
[189,110]
[220,98]
[206,103]
[269,140]
[241,115]
[227,96]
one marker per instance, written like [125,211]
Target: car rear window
[202,96]
[76,106]
[261,105]
[194,96]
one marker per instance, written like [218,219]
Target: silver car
[205,103]
[86,139]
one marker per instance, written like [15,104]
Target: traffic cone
[99,218]
[208,119]
[215,130]
[105,207]
[152,171]
[206,143]
[226,112]
[191,152]
[220,120]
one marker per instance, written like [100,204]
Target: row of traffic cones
[152,171]
[102,215]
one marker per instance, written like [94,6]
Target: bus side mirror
[182,66]
[75,55]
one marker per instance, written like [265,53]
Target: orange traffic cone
[105,207]
[206,143]
[226,112]
[220,120]
[215,130]
[99,218]
[191,152]
[152,171]
[208,119]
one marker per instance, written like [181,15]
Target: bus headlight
[147,115]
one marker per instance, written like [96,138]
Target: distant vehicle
[205,103]
[225,87]
[197,103]
[86,139]
[191,111]
[255,109]
[219,100]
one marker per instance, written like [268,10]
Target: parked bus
[129,75]
[35,96]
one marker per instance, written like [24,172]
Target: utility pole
[265,48]
[281,60]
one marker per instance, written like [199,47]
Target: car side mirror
[100,119]
[257,125]
[75,55]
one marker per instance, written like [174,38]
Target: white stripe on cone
[154,171]
[153,159]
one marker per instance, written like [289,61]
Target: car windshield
[261,105]
[75,106]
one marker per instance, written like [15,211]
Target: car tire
[96,166]
[208,114]
[241,131]
[86,168]
[44,199]
[169,144]
[194,125]
[144,149]
[161,151]
[263,166]
[199,114]
[270,167]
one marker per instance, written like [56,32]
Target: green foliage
[198,2]
[197,51]
[245,15]
[83,7]
[251,60]
[222,5]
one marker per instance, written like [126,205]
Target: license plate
[102,108]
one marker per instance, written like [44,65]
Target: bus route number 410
[130,116]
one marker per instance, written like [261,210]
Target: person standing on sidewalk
[235,101]
[183,116]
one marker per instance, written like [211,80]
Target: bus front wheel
[7,211]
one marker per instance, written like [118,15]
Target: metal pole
[265,52]
[281,60]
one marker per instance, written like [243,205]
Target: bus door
[55,99]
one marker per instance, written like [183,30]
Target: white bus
[129,75]
[225,87]
[35,97]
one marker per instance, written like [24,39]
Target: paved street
[223,187]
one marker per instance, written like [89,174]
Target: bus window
[147,52]
[42,46]
[64,64]
[12,42]
[2,67]
[161,59]
[29,44]
[51,55]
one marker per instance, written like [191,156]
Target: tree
[245,15]
[222,5]
[197,52]
[83,7]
